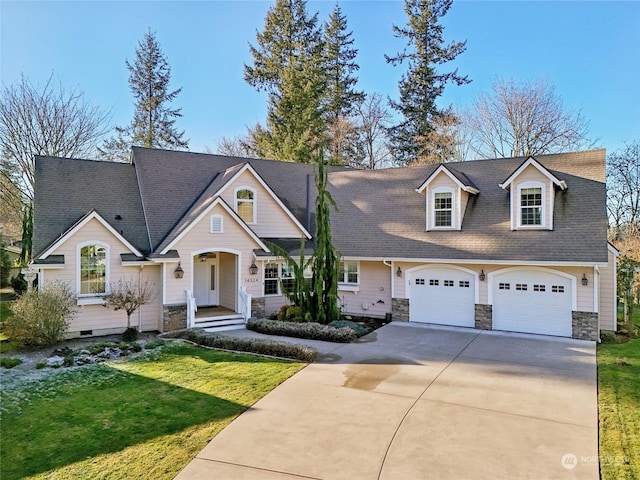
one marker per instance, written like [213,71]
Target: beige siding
[96,317]
[271,220]
[460,198]
[228,281]
[608,295]
[375,285]
[199,239]
[532,174]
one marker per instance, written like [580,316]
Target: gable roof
[92,215]
[379,215]
[459,178]
[530,161]
[66,189]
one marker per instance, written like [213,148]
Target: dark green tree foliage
[423,83]
[342,97]
[288,64]
[326,258]
[300,293]
[153,123]
[27,236]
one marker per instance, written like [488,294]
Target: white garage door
[442,295]
[532,301]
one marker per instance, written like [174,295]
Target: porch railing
[245,303]
[191,309]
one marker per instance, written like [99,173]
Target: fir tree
[288,65]
[342,97]
[153,123]
[422,84]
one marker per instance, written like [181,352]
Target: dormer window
[447,193]
[245,203]
[531,206]
[443,209]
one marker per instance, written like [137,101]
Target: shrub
[154,344]
[260,346]
[7,362]
[41,317]
[41,365]
[356,327]
[5,266]
[19,284]
[130,334]
[310,330]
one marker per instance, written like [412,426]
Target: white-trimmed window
[442,211]
[348,273]
[93,269]
[279,276]
[531,196]
[215,223]
[245,203]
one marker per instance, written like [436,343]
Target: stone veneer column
[174,317]
[484,317]
[584,326]
[257,307]
[400,309]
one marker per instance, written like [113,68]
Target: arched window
[93,263]
[245,199]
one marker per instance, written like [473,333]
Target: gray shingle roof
[67,189]
[380,214]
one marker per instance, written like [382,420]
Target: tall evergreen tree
[342,96]
[326,258]
[423,83]
[153,123]
[288,64]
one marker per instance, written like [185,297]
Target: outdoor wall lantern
[253,269]
[585,280]
[178,272]
[482,276]
[399,272]
[203,257]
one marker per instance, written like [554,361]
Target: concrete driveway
[415,402]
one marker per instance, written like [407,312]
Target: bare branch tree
[45,121]
[129,295]
[525,119]
[373,120]
[237,146]
[623,191]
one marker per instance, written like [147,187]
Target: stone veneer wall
[257,307]
[584,325]
[174,317]
[484,317]
[400,309]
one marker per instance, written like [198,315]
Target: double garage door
[524,300]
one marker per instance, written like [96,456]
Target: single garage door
[532,301]
[442,295]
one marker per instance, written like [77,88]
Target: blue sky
[589,50]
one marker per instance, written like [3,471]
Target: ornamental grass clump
[41,317]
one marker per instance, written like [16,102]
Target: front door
[206,282]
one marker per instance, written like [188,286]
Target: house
[513,244]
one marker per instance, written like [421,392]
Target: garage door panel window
[539,288]
[522,287]
[504,286]
[463,284]
[419,281]
[433,283]
[448,283]
[557,288]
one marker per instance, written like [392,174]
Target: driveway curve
[417,402]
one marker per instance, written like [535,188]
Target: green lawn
[619,410]
[145,418]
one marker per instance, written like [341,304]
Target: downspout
[393,290]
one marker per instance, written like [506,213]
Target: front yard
[141,418]
[619,410]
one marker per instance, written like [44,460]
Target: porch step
[213,324]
